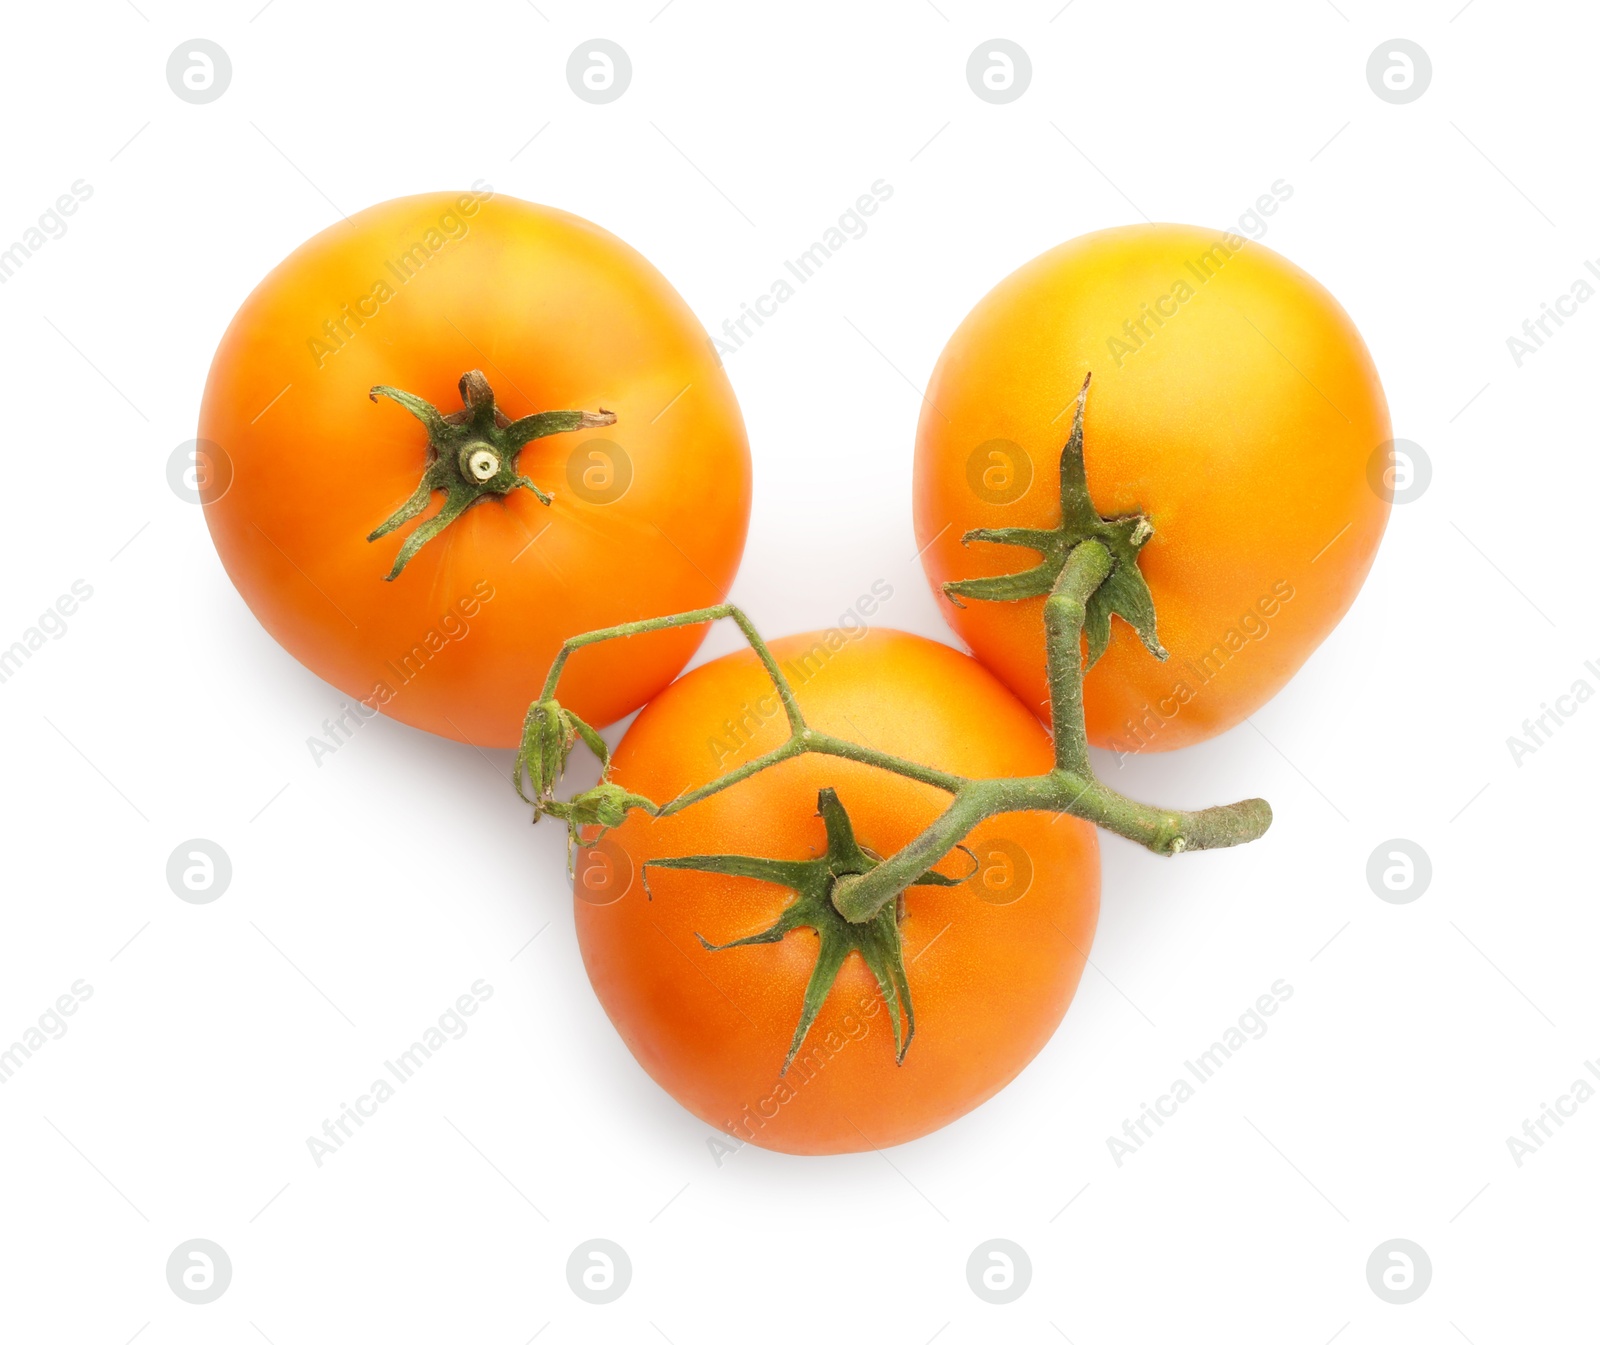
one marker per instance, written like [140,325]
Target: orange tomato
[648,515]
[1232,402]
[992,962]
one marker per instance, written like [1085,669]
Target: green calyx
[1122,593]
[812,881]
[549,733]
[606,805]
[473,453]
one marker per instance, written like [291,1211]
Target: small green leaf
[1078,514]
[933,878]
[879,944]
[544,497]
[592,740]
[1125,593]
[1042,540]
[542,423]
[832,949]
[795,874]
[844,853]
[1096,627]
[1034,583]
[431,481]
[423,410]
[455,504]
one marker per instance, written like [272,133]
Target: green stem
[791,707]
[827,745]
[1064,611]
[858,897]
[627,629]
[1070,788]
[822,744]
[802,738]
[1170,831]
[791,748]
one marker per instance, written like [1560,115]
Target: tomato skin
[989,982]
[559,315]
[1243,427]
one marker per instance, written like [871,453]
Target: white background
[370,891]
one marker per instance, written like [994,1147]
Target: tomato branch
[1071,788]
[1088,573]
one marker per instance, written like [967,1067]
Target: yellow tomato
[1233,403]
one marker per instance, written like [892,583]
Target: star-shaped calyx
[811,880]
[1122,593]
[472,454]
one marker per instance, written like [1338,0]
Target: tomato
[1232,403]
[647,515]
[991,962]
